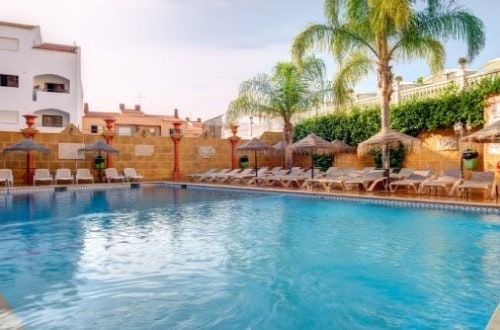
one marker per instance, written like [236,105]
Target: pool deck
[475,199]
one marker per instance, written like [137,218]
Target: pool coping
[419,201]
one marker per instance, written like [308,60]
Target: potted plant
[469,157]
[244,161]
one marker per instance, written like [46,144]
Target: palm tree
[363,35]
[289,90]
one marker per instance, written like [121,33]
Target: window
[52,121]
[124,130]
[94,129]
[7,80]
[55,88]
[9,117]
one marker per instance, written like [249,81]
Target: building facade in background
[38,78]
[133,121]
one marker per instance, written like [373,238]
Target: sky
[193,54]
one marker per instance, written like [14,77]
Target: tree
[289,90]
[363,35]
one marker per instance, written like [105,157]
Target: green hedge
[411,117]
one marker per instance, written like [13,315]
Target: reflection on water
[160,258]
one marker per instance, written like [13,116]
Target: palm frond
[349,73]
[452,21]
[414,46]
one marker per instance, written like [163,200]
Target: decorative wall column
[109,135]
[234,142]
[176,136]
[29,132]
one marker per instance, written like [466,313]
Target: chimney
[176,113]
[187,118]
[198,120]
[122,106]
[137,107]
[85,108]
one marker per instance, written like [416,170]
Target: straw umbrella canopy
[253,145]
[340,146]
[280,146]
[27,145]
[312,144]
[389,138]
[99,146]
[489,134]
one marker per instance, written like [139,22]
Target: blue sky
[193,54]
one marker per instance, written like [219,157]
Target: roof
[57,47]
[17,25]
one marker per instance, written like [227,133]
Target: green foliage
[411,118]
[351,127]
[323,161]
[396,155]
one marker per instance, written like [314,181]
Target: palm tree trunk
[288,138]
[384,71]
[385,86]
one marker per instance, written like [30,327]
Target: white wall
[29,62]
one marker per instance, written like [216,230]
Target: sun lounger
[83,174]
[261,178]
[6,177]
[64,175]
[448,180]
[333,181]
[413,181]
[480,180]
[210,176]
[131,175]
[200,176]
[236,172]
[269,179]
[317,181]
[273,179]
[402,174]
[245,178]
[111,175]
[298,179]
[220,177]
[367,180]
[42,175]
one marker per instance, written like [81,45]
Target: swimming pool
[170,258]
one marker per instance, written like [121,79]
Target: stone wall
[153,157]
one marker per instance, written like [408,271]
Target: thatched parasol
[489,134]
[339,146]
[253,145]
[27,145]
[280,146]
[390,138]
[312,144]
[99,146]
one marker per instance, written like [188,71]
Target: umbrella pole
[255,156]
[386,152]
[312,166]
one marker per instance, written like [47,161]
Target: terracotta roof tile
[17,25]
[57,47]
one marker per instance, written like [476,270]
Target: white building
[38,78]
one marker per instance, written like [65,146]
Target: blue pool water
[162,258]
